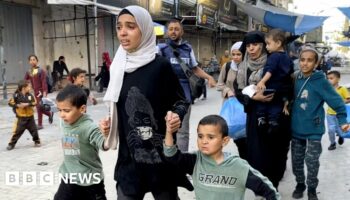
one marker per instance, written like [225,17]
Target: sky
[324,8]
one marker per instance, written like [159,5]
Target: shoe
[10,147]
[311,194]
[261,121]
[332,147]
[40,127]
[340,140]
[37,144]
[51,118]
[204,98]
[298,193]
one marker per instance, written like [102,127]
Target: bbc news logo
[31,178]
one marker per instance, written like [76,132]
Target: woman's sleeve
[221,85]
[242,98]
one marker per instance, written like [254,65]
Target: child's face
[333,79]
[307,62]
[80,79]
[272,45]
[27,89]
[210,140]
[68,112]
[33,61]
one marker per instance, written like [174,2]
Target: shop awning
[279,18]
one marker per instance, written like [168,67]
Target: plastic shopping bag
[347,134]
[233,112]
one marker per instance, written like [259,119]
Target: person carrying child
[216,175]
[332,122]
[81,142]
[277,78]
[22,103]
[311,91]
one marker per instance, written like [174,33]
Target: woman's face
[129,33]
[254,50]
[236,56]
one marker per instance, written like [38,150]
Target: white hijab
[129,62]
[235,46]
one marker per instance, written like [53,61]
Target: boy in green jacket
[81,170]
[216,175]
[311,90]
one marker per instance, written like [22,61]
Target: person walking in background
[22,103]
[77,77]
[38,79]
[142,89]
[224,59]
[103,76]
[276,77]
[332,121]
[227,77]
[266,153]
[81,143]
[311,91]
[59,66]
[174,48]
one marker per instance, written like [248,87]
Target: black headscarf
[252,37]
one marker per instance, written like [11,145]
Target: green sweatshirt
[225,181]
[81,143]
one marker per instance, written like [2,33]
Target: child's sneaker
[332,147]
[340,140]
[37,144]
[298,193]
[311,194]
[10,147]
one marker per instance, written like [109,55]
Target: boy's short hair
[74,94]
[217,121]
[335,73]
[277,35]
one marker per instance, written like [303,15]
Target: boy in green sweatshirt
[81,170]
[216,175]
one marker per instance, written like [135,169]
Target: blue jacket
[308,114]
[184,49]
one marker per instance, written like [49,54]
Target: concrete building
[49,31]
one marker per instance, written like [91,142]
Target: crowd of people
[150,105]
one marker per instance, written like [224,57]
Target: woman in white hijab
[228,73]
[143,89]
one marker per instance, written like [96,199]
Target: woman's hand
[259,96]
[105,125]
[230,94]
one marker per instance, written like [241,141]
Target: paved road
[334,172]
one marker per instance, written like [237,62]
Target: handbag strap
[188,72]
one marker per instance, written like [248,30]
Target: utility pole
[176,7]
[88,44]
[2,65]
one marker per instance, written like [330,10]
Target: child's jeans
[333,127]
[308,151]
[73,192]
